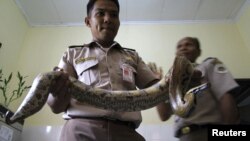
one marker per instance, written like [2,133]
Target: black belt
[116,121]
[189,128]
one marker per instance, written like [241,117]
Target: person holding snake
[214,106]
[105,64]
[102,63]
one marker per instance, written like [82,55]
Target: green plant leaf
[10,76]
[16,93]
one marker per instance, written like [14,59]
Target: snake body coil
[182,98]
[134,100]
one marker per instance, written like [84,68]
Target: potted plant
[8,94]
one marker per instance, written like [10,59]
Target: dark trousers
[81,129]
[197,135]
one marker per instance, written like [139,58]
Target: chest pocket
[88,72]
[128,73]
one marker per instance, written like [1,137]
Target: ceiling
[72,12]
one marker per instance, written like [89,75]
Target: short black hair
[91,4]
[194,40]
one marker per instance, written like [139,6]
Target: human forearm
[229,110]
[58,104]
[164,111]
[59,98]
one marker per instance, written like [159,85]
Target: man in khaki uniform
[214,106]
[102,63]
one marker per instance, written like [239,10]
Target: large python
[133,100]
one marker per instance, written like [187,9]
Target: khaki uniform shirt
[113,68]
[206,110]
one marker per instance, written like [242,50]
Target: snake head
[8,116]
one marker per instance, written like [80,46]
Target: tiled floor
[150,132]
[157,132]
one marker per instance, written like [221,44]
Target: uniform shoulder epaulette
[130,49]
[209,58]
[213,60]
[75,46]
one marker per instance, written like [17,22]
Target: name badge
[127,73]
[81,60]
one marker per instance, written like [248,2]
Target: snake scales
[176,82]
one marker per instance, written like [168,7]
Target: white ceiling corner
[72,12]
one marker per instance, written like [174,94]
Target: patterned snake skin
[134,100]
[182,98]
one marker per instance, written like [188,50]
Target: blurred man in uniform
[213,106]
